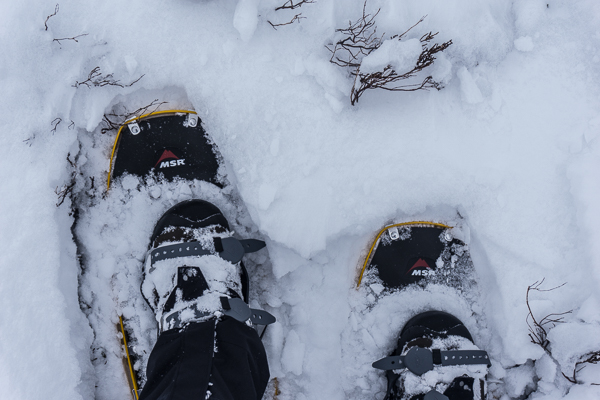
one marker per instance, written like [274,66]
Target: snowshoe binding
[194,269]
[435,357]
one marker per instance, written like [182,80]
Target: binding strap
[228,248]
[419,360]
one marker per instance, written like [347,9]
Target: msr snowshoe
[417,253]
[171,144]
[194,268]
[435,359]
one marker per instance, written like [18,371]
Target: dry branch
[50,16]
[55,122]
[96,78]
[290,5]
[297,17]
[67,189]
[74,38]
[538,330]
[361,39]
[115,119]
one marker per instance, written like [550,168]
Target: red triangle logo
[419,264]
[167,154]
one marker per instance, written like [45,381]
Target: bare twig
[538,333]
[50,16]
[590,358]
[64,191]
[74,38]
[115,119]
[291,6]
[71,163]
[297,17]
[55,122]
[96,78]
[361,39]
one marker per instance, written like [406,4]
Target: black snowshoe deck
[168,143]
[405,253]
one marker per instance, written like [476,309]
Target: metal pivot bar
[134,128]
[419,360]
[229,249]
[236,308]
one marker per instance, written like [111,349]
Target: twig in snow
[96,78]
[55,122]
[297,17]
[590,358]
[50,16]
[74,38]
[291,6]
[115,119]
[361,39]
[538,333]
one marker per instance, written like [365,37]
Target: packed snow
[508,150]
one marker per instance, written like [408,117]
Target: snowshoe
[193,269]
[171,144]
[417,253]
[435,357]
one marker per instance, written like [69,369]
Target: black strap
[229,248]
[419,360]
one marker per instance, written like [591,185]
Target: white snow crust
[508,150]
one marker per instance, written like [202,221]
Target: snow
[510,144]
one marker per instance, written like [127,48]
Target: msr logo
[168,159]
[420,268]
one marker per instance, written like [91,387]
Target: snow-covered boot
[435,360]
[194,270]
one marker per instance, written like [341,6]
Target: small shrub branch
[538,333]
[50,16]
[538,329]
[67,189]
[296,17]
[74,38]
[360,39]
[97,79]
[291,5]
[115,119]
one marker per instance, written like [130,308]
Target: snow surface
[510,144]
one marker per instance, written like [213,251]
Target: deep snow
[510,144]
